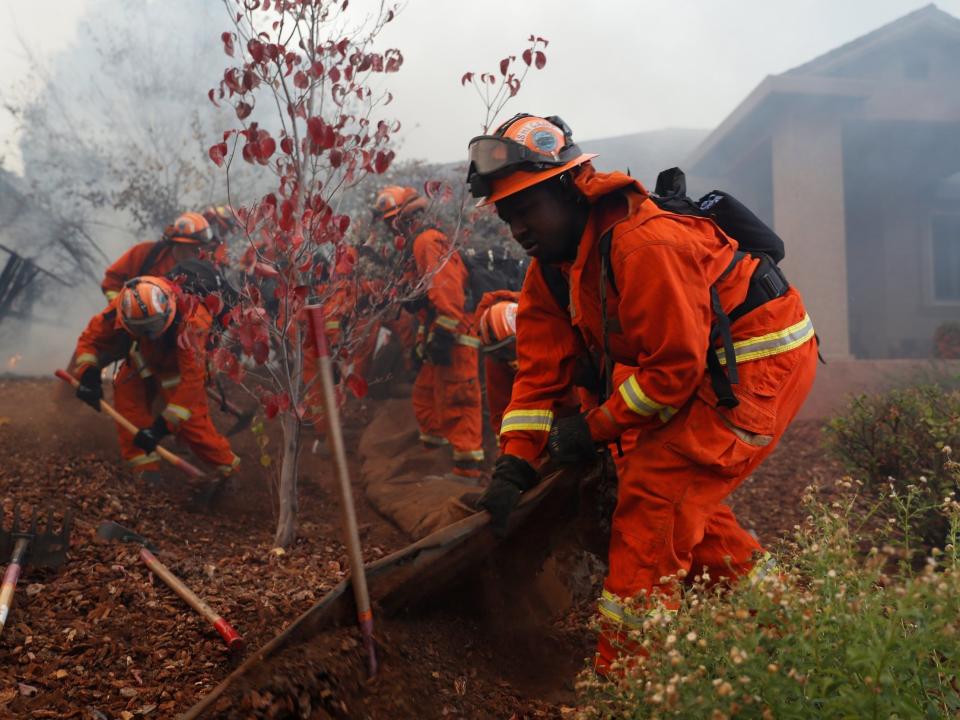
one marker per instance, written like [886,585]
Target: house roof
[750,121]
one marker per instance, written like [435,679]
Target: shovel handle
[170,457]
[230,636]
[10,579]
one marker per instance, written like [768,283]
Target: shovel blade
[110,530]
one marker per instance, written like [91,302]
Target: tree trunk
[289,470]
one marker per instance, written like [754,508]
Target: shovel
[41,549]
[110,530]
[243,418]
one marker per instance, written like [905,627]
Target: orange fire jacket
[659,317]
[176,359]
[448,279]
[130,265]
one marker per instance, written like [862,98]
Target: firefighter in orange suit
[446,394]
[161,336]
[650,290]
[497,323]
[188,237]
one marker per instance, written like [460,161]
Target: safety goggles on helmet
[494,156]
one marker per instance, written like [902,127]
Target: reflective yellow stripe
[332,325]
[228,469]
[468,341]
[176,414]
[87,359]
[536,420]
[638,401]
[773,343]
[433,439]
[138,460]
[468,455]
[170,382]
[765,566]
[445,321]
[110,294]
[610,607]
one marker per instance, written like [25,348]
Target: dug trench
[102,638]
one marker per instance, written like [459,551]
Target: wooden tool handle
[230,636]
[10,579]
[170,457]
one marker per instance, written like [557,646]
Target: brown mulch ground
[102,638]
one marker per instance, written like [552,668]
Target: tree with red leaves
[300,83]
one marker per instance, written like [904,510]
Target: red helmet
[524,151]
[191,229]
[498,332]
[395,200]
[148,306]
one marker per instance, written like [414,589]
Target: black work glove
[148,438]
[569,441]
[512,476]
[90,389]
[440,346]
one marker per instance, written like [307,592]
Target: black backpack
[754,238]
[490,270]
[201,278]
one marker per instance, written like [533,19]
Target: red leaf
[210,95]
[540,61]
[287,145]
[261,352]
[336,158]
[504,65]
[244,110]
[227,43]
[316,70]
[265,148]
[527,56]
[301,80]
[357,385]
[255,48]
[334,75]
[382,161]
[342,222]
[394,60]
[217,153]
[213,303]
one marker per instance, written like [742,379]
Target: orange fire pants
[446,402]
[133,398]
[670,515]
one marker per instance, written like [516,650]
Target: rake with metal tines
[28,545]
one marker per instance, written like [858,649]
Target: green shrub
[897,438]
[836,635]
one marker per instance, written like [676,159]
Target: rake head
[48,546]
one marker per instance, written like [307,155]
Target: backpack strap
[150,260]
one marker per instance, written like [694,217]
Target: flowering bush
[835,634]
[896,439]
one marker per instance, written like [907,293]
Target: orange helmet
[190,228]
[524,151]
[222,220]
[395,200]
[148,306]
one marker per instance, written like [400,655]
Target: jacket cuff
[603,428]
[523,448]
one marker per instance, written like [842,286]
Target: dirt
[101,638]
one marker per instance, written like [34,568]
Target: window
[946,258]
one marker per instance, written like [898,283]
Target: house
[854,158]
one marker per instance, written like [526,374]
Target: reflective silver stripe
[87,359]
[641,403]
[175,414]
[170,382]
[468,455]
[610,607]
[772,343]
[468,341]
[765,566]
[535,420]
[138,460]
[433,439]
[445,321]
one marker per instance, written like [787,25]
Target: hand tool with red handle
[110,530]
[358,577]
